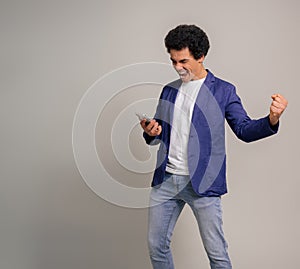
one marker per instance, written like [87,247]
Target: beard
[185,75]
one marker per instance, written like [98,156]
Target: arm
[249,130]
[153,129]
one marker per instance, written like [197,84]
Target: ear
[201,59]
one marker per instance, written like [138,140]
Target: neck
[201,74]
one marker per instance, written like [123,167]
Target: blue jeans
[166,203]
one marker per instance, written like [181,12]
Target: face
[187,67]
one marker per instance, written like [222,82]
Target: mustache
[182,72]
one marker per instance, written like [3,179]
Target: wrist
[273,120]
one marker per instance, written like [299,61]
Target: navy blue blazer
[216,101]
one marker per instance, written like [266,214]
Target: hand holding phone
[143,116]
[153,129]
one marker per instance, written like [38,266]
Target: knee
[157,249]
[154,247]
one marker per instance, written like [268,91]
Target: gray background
[53,51]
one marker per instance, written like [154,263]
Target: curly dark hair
[188,36]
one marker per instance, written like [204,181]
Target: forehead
[180,54]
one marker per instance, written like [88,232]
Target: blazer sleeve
[155,140]
[245,128]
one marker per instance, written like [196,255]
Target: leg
[208,213]
[162,220]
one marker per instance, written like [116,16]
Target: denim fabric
[167,201]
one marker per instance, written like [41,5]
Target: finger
[273,96]
[276,111]
[280,100]
[283,100]
[276,97]
[277,104]
[280,96]
[143,123]
[159,129]
[154,128]
[280,104]
[149,125]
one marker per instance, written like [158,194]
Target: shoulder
[173,85]
[170,89]
[223,91]
[215,81]
[220,88]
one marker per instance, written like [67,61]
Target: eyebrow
[180,61]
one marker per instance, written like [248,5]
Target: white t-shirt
[183,111]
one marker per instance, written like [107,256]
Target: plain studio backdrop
[53,51]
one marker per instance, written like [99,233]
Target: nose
[178,66]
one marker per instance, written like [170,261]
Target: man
[191,160]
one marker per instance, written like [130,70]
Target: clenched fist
[278,105]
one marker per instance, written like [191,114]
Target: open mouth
[183,74]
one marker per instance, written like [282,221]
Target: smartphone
[143,116]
